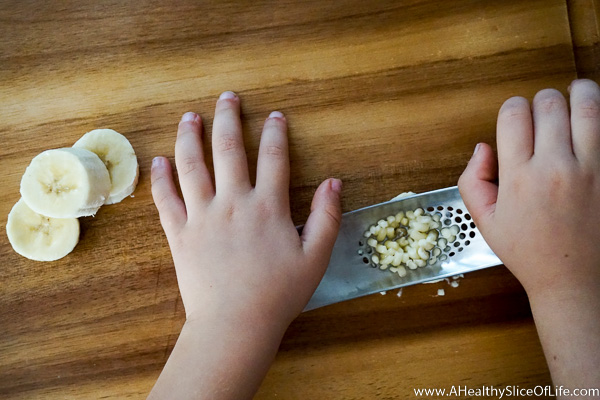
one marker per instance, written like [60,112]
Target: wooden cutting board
[388,96]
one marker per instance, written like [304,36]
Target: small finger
[194,177]
[478,188]
[321,229]
[171,208]
[273,166]
[551,125]
[229,155]
[585,120]
[514,133]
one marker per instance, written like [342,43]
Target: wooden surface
[585,31]
[388,96]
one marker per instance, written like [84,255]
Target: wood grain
[585,31]
[389,96]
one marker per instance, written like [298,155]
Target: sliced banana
[65,183]
[119,157]
[38,237]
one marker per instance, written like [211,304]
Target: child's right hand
[537,207]
[542,219]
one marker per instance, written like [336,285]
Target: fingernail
[476,148]
[276,114]
[227,95]
[156,162]
[336,185]
[189,117]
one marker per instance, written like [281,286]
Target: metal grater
[351,274]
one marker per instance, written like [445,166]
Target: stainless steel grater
[351,274]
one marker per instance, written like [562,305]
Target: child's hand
[542,218]
[243,271]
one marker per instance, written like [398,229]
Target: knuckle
[268,206]
[556,180]
[157,179]
[275,150]
[549,105]
[589,177]
[227,143]
[227,112]
[558,177]
[162,200]
[588,108]
[160,193]
[333,214]
[189,164]
[230,212]
[549,101]
[187,133]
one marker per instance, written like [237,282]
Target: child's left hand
[241,266]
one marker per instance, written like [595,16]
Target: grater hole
[450,208]
[458,220]
[448,215]
[471,234]
[456,244]
[365,260]
[460,249]
[369,250]
[459,211]
[440,208]
[361,243]
[462,236]
[430,209]
[467,242]
[472,225]
[464,227]
[447,222]
[451,254]
[467,217]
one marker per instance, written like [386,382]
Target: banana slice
[65,183]
[119,157]
[38,237]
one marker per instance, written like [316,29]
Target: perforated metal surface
[348,276]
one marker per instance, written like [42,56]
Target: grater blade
[350,274]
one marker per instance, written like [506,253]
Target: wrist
[565,280]
[567,319]
[566,290]
[233,328]
[215,349]
[223,321]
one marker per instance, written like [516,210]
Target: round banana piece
[65,183]
[119,157]
[38,237]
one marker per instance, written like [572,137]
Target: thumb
[321,229]
[478,187]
